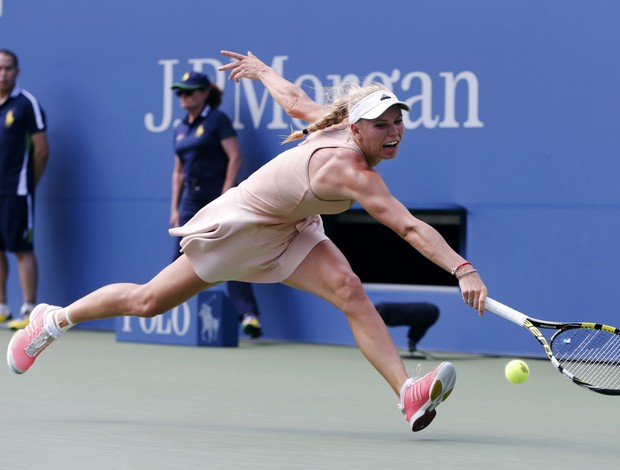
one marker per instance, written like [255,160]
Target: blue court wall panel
[514,118]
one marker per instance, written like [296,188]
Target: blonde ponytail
[338,111]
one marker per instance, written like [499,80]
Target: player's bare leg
[174,285]
[171,287]
[326,273]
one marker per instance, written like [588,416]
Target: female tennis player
[268,229]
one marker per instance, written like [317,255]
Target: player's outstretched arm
[368,188]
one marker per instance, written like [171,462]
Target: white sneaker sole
[9,357]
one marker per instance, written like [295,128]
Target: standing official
[23,157]
[207,163]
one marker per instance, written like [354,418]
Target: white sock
[68,320]
[51,322]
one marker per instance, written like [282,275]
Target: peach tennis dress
[261,230]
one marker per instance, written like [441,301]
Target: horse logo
[210,324]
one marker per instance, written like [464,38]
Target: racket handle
[505,311]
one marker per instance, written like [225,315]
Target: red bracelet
[466,263]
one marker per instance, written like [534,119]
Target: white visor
[374,105]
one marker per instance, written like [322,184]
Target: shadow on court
[93,403]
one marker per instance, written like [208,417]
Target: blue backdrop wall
[514,118]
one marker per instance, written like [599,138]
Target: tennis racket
[586,353]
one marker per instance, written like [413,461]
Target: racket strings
[597,360]
[591,356]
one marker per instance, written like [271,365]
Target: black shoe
[251,326]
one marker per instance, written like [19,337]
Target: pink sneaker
[26,344]
[420,396]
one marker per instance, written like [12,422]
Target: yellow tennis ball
[516,371]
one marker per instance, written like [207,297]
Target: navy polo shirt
[20,117]
[199,147]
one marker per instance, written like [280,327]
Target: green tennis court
[93,403]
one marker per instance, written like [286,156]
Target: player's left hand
[244,66]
